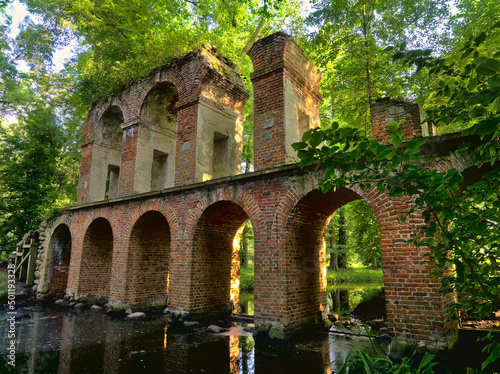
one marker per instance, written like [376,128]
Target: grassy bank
[354,276]
[246,279]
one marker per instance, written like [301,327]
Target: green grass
[355,276]
[246,279]
[352,276]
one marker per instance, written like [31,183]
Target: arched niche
[155,161]
[106,156]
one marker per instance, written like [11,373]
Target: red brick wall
[413,117]
[275,59]
[129,155]
[149,253]
[83,184]
[212,257]
[97,253]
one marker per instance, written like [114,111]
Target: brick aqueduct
[161,203]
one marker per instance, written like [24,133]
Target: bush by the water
[355,275]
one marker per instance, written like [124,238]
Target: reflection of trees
[247,346]
[338,300]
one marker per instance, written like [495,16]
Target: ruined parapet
[181,124]
[386,110]
[286,99]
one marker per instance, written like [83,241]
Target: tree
[461,227]
[364,234]
[348,44]
[30,154]
[336,239]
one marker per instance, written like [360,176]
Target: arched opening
[149,251]
[215,268]
[306,252]
[60,249]
[354,261]
[245,237]
[97,256]
[157,140]
[106,158]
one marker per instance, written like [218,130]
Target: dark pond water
[63,341]
[55,341]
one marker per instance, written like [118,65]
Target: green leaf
[496,105]
[396,136]
[467,53]
[304,154]
[488,67]
[486,126]
[417,142]
[315,139]
[398,55]
[480,39]
[299,146]
[472,83]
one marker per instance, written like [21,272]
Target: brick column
[129,155]
[84,181]
[185,153]
[286,99]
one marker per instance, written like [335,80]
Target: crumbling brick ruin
[161,200]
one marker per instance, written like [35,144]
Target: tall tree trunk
[334,260]
[342,242]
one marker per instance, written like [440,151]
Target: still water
[64,341]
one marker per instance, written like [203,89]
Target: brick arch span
[299,225]
[148,260]
[213,228]
[96,113]
[170,76]
[96,259]
[214,279]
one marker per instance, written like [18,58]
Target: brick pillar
[185,153]
[286,99]
[387,110]
[84,181]
[129,155]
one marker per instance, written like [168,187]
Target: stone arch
[148,260]
[96,259]
[215,258]
[60,256]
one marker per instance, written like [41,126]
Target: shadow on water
[60,341]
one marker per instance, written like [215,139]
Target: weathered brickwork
[286,99]
[179,245]
[387,110]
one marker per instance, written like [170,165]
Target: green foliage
[30,153]
[355,276]
[247,279]
[375,362]
[347,44]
